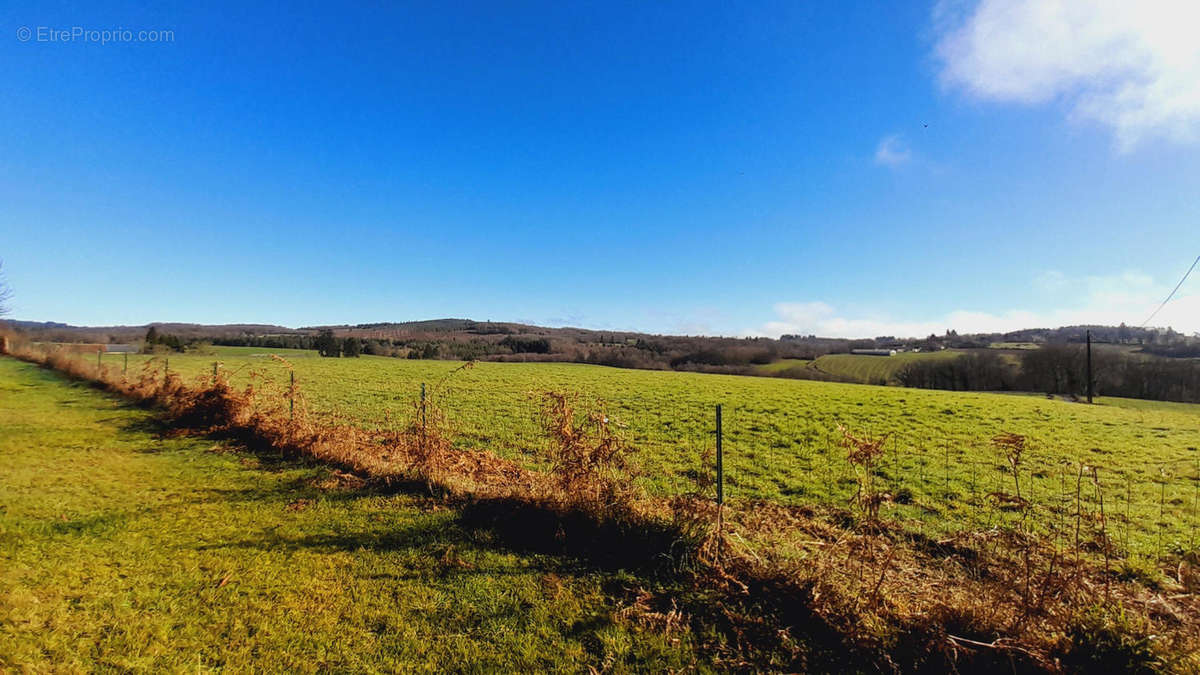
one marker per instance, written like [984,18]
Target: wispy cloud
[1132,66]
[892,151]
[1109,300]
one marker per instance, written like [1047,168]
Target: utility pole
[1090,384]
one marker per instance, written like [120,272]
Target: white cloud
[1107,300]
[892,151]
[1130,65]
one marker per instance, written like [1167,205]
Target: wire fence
[934,475]
[941,484]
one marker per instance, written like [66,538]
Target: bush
[428,350]
[328,345]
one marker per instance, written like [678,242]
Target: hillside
[51,331]
[876,369]
[451,329]
[1156,365]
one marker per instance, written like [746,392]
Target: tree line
[1061,369]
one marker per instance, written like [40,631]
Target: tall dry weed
[589,461]
[864,455]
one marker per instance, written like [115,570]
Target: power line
[1172,293]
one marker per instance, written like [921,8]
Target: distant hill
[456,338]
[450,327]
[1134,362]
[53,331]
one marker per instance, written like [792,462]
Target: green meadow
[124,551]
[781,436]
[876,369]
[857,367]
[781,365]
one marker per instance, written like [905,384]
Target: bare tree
[5,292]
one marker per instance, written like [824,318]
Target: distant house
[874,352]
[120,349]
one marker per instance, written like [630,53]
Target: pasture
[124,551]
[781,365]
[781,438]
[876,369]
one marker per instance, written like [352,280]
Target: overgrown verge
[770,587]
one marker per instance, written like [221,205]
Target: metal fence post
[946,473]
[292,397]
[423,434]
[720,491]
[720,462]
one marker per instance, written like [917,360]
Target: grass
[781,438]
[781,365]
[124,550]
[814,586]
[876,369]
[1014,345]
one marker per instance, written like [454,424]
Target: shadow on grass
[91,525]
[635,556]
[646,549]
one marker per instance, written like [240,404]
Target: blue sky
[719,168]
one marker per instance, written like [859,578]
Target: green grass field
[876,369]
[781,365]
[1013,345]
[780,435]
[122,551]
[857,367]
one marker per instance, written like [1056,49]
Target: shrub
[327,345]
